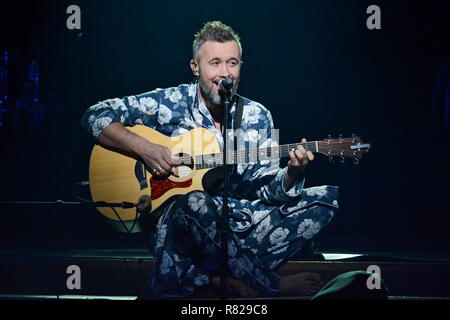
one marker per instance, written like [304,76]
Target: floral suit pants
[188,245]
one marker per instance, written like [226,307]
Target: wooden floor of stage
[124,274]
[35,252]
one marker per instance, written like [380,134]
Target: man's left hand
[297,164]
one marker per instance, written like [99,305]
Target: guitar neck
[251,155]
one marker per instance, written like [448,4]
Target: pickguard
[160,187]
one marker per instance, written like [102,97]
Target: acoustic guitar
[116,177]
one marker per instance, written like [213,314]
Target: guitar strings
[251,154]
[185,170]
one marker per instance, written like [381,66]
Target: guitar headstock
[344,148]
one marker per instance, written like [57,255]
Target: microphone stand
[226,98]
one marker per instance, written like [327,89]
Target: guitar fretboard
[251,155]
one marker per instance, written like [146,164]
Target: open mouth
[215,86]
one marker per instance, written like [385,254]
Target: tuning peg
[353,138]
[331,159]
[341,138]
[355,161]
[343,160]
[329,137]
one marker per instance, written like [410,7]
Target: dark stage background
[314,64]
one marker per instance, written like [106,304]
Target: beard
[210,95]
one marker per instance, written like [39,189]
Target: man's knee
[196,204]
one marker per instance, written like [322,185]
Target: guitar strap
[239,111]
[237,121]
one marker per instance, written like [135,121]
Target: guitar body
[116,177]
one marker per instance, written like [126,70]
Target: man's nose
[224,71]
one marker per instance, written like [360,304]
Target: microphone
[225,84]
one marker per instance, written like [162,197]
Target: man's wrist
[291,177]
[295,173]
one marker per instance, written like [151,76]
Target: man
[271,215]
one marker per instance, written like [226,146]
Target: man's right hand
[157,158]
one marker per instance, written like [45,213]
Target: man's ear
[194,68]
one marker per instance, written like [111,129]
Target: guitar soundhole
[186,166]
